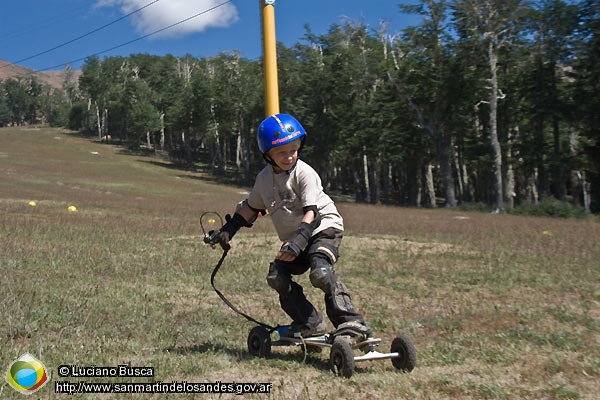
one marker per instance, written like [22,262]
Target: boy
[309,226]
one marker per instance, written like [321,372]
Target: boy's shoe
[297,331]
[355,331]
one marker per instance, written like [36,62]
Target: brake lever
[209,219]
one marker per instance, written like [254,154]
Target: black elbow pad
[317,221]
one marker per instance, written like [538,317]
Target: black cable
[79,37]
[230,304]
[137,39]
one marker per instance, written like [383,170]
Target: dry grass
[498,306]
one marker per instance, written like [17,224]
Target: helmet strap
[301,144]
[269,160]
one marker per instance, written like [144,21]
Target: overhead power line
[137,39]
[79,37]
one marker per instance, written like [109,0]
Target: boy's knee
[322,275]
[276,280]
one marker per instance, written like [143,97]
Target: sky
[46,34]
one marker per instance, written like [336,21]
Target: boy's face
[285,156]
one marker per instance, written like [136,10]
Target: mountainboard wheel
[407,354]
[341,358]
[259,342]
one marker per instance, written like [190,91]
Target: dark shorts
[326,242]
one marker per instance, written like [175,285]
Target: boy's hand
[223,237]
[285,254]
[296,245]
[219,237]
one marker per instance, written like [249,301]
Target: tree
[53,107]
[17,99]
[392,118]
[552,26]
[490,24]
[94,84]
[587,98]
[34,90]
[69,85]
[234,87]
[423,78]
[144,122]
[4,110]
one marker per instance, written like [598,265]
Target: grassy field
[498,306]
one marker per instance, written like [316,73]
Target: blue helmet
[277,130]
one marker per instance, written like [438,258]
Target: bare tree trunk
[532,192]
[105,122]
[585,187]
[446,171]
[366,176]
[185,69]
[459,172]
[98,120]
[375,184]
[469,194]
[69,84]
[162,132]
[238,151]
[419,196]
[224,148]
[510,173]
[387,183]
[496,150]
[241,155]
[216,158]
[246,156]
[540,158]
[87,115]
[430,186]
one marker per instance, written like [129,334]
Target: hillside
[50,78]
[498,306]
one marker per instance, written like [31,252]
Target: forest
[487,103]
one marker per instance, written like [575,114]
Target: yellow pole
[269,57]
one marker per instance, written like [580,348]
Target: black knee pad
[322,275]
[278,281]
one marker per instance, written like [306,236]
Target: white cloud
[167,12]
